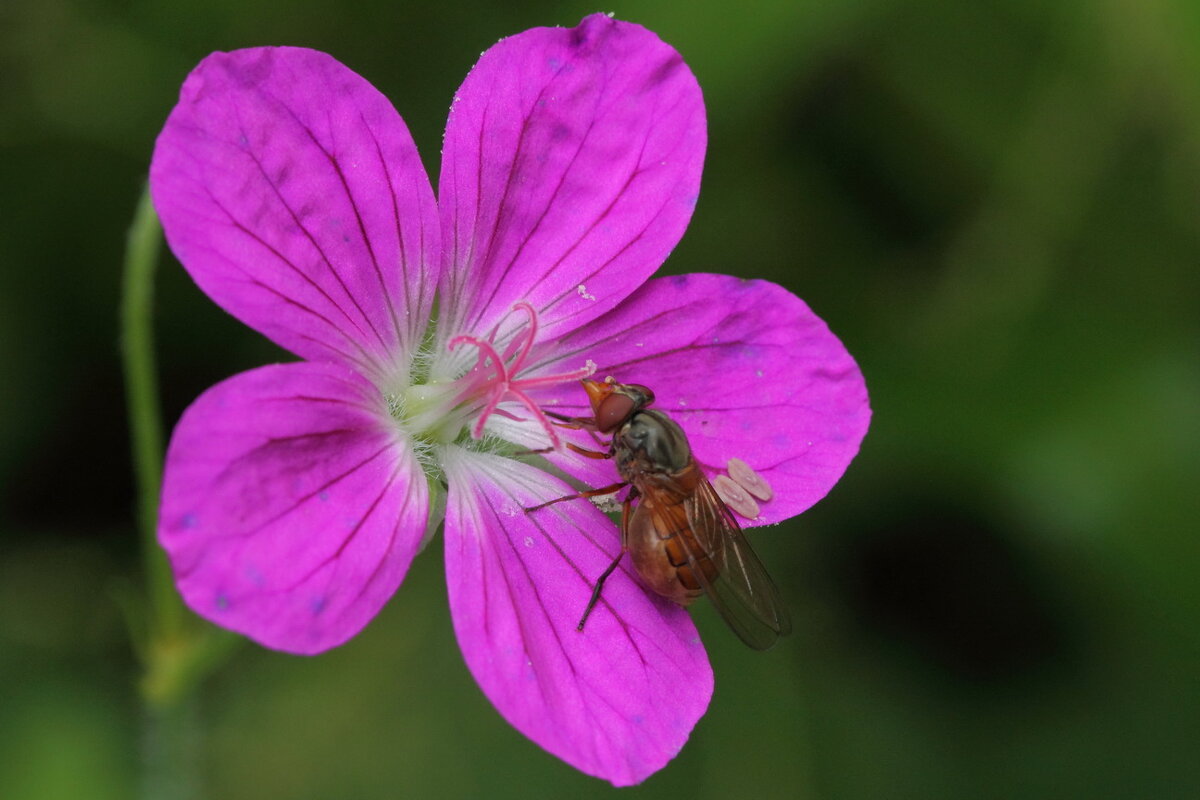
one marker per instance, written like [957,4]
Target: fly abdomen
[665,551]
[676,552]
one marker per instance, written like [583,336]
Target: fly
[683,539]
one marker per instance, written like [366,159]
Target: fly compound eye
[647,396]
[613,410]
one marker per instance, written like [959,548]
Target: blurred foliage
[993,204]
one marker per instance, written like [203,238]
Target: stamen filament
[562,377]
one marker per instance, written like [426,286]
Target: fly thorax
[655,440]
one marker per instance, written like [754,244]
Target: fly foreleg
[578,424]
[574,423]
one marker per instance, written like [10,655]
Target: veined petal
[291,190]
[290,509]
[571,167]
[527,434]
[745,367]
[616,700]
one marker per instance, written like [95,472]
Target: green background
[994,205]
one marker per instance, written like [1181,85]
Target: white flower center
[438,413]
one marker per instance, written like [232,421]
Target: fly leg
[609,570]
[610,489]
[583,451]
[576,424]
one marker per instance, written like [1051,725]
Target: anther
[735,497]
[749,480]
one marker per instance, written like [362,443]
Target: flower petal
[291,190]
[570,170]
[526,433]
[745,367]
[616,700]
[290,511]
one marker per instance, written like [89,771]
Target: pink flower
[295,495]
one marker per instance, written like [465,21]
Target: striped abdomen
[661,542]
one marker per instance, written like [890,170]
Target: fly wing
[741,589]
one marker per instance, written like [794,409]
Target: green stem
[166,612]
[171,743]
[176,650]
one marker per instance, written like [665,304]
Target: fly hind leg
[595,598]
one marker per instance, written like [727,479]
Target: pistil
[495,378]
